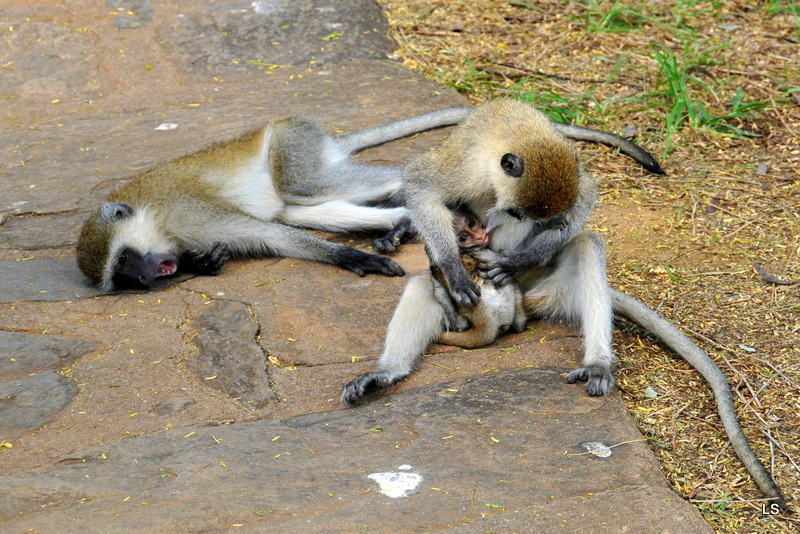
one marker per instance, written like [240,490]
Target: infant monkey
[498,309]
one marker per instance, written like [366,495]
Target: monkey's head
[540,180]
[120,248]
[470,232]
[535,170]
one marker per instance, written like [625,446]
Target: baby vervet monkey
[498,309]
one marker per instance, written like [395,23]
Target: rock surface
[109,417]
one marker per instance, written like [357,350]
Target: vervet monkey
[508,165]
[244,198]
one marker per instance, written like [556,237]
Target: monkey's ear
[115,211]
[512,165]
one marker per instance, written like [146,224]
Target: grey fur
[629,148]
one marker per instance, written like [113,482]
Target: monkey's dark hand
[498,268]
[206,262]
[366,385]
[362,263]
[599,379]
[461,287]
[401,233]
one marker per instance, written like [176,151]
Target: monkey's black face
[134,271]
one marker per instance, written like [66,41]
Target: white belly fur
[250,186]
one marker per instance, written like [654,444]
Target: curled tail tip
[654,167]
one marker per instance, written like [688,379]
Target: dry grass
[685,244]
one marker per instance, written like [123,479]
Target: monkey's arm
[543,242]
[433,221]
[424,311]
[641,315]
[247,235]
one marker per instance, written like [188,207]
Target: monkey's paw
[462,289]
[209,262]
[599,379]
[397,236]
[495,267]
[365,385]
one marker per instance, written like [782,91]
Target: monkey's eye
[471,223]
[512,165]
[462,238]
[123,258]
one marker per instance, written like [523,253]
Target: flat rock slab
[43,279]
[233,37]
[632,509]
[229,358]
[95,92]
[467,448]
[32,401]
[23,354]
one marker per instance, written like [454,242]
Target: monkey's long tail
[639,314]
[630,149]
[403,128]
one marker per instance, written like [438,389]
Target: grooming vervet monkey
[243,197]
[508,165]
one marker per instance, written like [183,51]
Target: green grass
[688,93]
[686,96]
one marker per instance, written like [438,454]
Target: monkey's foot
[208,262]
[365,385]
[362,263]
[599,379]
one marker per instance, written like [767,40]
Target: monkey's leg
[359,184]
[473,338]
[419,319]
[578,289]
[341,216]
[520,317]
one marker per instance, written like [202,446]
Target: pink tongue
[166,268]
